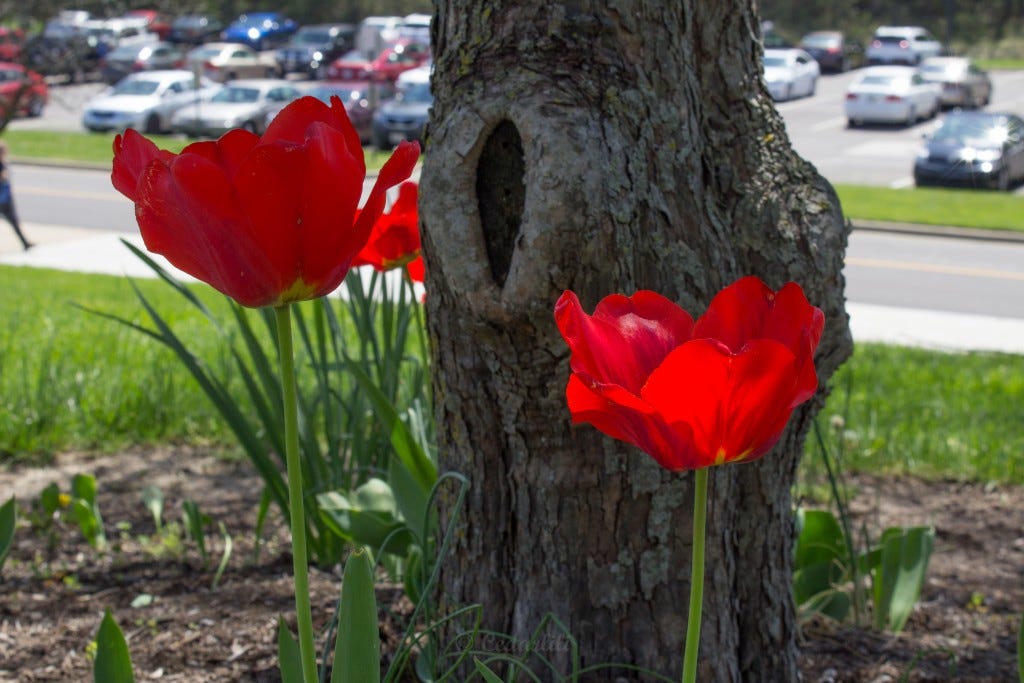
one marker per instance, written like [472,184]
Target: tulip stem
[700,510]
[296,513]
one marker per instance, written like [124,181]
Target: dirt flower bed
[54,588]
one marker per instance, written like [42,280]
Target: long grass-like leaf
[357,649]
[113,661]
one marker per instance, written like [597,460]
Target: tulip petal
[293,123]
[625,339]
[397,168]
[228,152]
[737,313]
[132,155]
[736,404]
[669,446]
[188,212]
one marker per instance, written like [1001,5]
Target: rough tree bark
[605,147]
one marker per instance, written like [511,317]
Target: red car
[11,41]
[28,87]
[155,21]
[397,58]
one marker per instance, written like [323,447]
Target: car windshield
[771,60]
[311,38]
[417,92]
[891,40]
[820,41]
[971,132]
[237,95]
[136,87]
[343,94]
[882,81]
[124,52]
[205,52]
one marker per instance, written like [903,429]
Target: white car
[790,73]
[239,104]
[901,45]
[891,94]
[145,101]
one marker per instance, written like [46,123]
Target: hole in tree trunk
[500,194]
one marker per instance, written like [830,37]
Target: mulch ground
[55,588]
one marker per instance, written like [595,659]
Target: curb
[939,230]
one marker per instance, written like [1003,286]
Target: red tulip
[268,220]
[692,395]
[395,239]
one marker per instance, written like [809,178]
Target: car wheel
[230,76]
[152,125]
[852,123]
[814,87]
[250,126]
[35,107]
[911,117]
[381,142]
[271,72]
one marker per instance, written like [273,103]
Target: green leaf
[88,523]
[821,539]
[288,658]
[113,661]
[225,556]
[488,675]
[367,517]
[409,498]
[357,649]
[195,523]
[815,590]
[153,499]
[406,447]
[900,575]
[8,519]
[49,499]
[84,486]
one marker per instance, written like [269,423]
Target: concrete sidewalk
[93,251]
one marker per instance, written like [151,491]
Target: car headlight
[970,154]
[317,56]
[923,153]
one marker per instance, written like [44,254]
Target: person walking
[7,198]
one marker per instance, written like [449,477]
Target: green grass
[897,410]
[934,206]
[97,148]
[71,380]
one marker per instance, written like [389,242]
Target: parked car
[963,83]
[361,100]
[259,30]
[790,73]
[69,56]
[833,50]
[11,42]
[240,104]
[26,87]
[106,35]
[405,116]
[974,148]
[890,94]
[224,62]
[146,101]
[195,29]
[155,21]
[902,45]
[129,59]
[351,66]
[312,47]
[399,57]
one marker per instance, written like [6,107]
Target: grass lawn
[72,380]
[97,148]
[934,206]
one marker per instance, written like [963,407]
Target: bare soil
[55,588]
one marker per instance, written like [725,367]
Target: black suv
[314,46]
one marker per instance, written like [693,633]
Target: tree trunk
[608,148]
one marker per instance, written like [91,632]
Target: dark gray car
[973,149]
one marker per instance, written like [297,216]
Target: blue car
[260,30]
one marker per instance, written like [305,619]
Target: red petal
[671,448]
[188,212]
[228,152]
[132,154]
[625,339]
[397,168]
[737,314]
[736,404]
[417,270]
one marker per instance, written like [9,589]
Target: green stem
[700,511]
[303,611]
